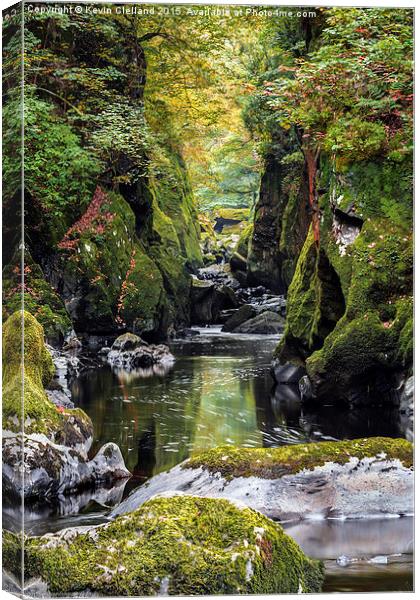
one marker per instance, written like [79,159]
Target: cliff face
[281,221]
[349,314]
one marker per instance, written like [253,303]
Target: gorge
[215,269]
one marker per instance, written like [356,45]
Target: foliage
[352,96]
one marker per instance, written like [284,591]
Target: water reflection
[219,391]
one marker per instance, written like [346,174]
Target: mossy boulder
[37,412]
[346,479]
[45,447]
[107,278]
[270,463]
[180,545]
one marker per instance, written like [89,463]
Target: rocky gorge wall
[349,311]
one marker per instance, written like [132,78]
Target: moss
[375,330]
[315,303]
[374,274]
[174,196]
[143,294]
[188,545]
[120,282]
[245,236]
[232,214]
[36,412]
[271,463]
[39,297]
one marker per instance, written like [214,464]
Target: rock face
[55,439]
[354,479]
[180,545]
[129,352]
[267,322]
[349,312]
[281,219]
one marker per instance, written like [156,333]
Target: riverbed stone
[50,470]
[348,479]
[266,323]
[129,352]
[243,314]
[180,545]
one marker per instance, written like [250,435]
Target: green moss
[233,214]
[194,546]
[173,194]
[121,282]
[271,463]
[39,297]
[28,376]
[378,189]
[375,331]
[142,294]
[373,273]
[242,246]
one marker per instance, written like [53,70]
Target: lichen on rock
[181,545]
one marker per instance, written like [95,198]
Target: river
[220,391]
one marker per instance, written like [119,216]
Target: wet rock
[59,398]
[129,352]
[286,373]
[357,479]
[239,316]
[176,545]
[305,388]
[186,333]
[51,469]
[267,323]
[209,299]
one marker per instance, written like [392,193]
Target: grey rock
[130,352]
[266,323]
[241,315]
[59,398]
[286,373]
[361,488]
[51,469]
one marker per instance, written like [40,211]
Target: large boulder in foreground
[180,545]
[356,479]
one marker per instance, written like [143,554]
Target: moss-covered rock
[314,303]
[107,278]
[242,247]
[40,298]
[271,463]
[181,545]
[35,410]
[349,314]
